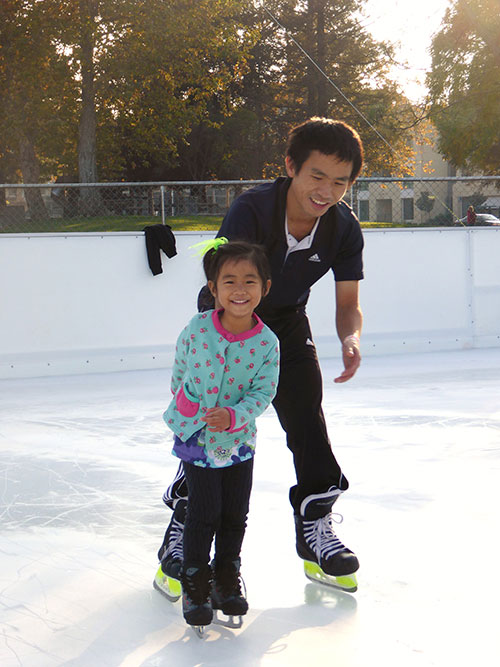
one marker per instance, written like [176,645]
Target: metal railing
[198,205]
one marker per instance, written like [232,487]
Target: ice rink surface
[85,459]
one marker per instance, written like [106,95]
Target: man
[306,230]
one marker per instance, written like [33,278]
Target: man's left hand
[351,357]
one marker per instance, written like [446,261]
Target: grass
[118,223]
[136,223]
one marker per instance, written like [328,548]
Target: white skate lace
[321,537]
[174,549]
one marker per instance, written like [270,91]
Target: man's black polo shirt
[258,216]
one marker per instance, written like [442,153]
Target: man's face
[321,182]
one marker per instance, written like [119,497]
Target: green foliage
[464,85]
[186,90]
[357,67]
[37,88]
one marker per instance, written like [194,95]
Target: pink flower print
[212,375]
[215,390]
[193,351]
[264,343]
[252,351]
[170,421]
[195,421]
[209,391]
[237,441]
[183,424]
[203,317]
[240,387]
[197,380]
[242,419]
[226,369]
[262,377]
[219,357]
[245,431]
[205,346]
[227,397]
[197,364]
[203,330]
[193,337]
[258,403]
[221,338]
[208,363]
[237,360]
[204,409]
[250,410]
[211,440]
[231,381]
[181,435]
[242,343]
[250,366]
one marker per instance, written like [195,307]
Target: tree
[164,70]
[348,79]
[35,83]
[464,85]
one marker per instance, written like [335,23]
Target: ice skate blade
[233,622]
[347,582]
[199,630]
[167,586]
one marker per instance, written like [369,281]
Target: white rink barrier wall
[80,303]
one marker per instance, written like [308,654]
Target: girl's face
[238,290]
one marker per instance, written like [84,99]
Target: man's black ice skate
[167,578]
[327,560]
[227,596]
[196,602]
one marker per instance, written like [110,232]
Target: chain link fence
[190,205]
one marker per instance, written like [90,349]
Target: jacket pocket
[186,404]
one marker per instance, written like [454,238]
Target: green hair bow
[205,246]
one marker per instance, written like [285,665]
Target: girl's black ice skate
[226,594]
[196,603]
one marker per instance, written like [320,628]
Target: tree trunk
[317,97]
[322,83]
[30,169]
[311,70]
[87,161]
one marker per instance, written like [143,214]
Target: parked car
[483,219]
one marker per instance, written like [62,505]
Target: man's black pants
[298,405]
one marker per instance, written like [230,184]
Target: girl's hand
[217,419]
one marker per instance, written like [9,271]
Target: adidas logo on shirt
[314,258]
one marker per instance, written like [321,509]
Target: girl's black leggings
[218,501]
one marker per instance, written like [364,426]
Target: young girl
[225,375]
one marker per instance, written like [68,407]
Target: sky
[410,25]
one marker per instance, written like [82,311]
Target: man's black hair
[331,137]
